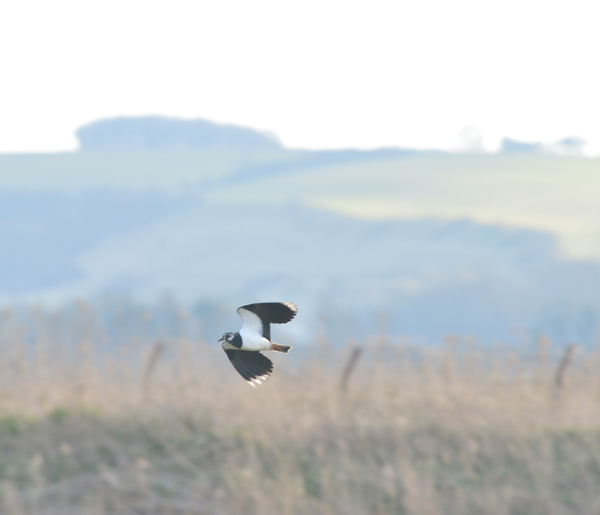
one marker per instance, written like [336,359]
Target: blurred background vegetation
[445,353]
[380,426]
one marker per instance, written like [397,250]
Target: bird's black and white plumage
[243,348]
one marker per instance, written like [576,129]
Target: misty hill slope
[431,276]
[43,232]
[547,193]
[171,171]
[391,232]
[214,250]
[163,171]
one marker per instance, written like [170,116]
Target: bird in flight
[243,348]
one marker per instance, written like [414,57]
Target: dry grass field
[170,429]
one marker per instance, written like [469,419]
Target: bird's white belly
[254,341]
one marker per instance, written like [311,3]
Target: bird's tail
[281,348]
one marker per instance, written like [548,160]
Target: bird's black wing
[268,313]
[252,366]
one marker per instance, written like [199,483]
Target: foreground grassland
[170,428]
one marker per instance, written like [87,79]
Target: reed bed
[376,427]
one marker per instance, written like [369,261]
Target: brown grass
[160,430]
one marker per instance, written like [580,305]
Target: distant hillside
[438,242]
[432,277]
[157,132]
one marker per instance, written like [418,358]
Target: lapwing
[243,348]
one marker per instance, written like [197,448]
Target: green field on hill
[548,193]
[158,170]
[554,194]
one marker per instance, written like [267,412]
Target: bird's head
[227,337]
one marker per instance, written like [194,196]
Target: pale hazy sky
[326,73]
